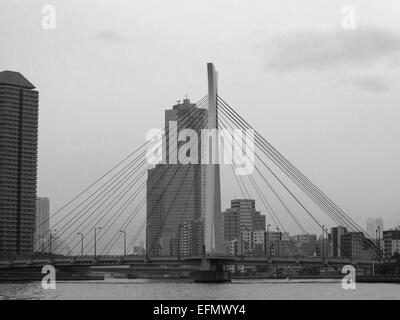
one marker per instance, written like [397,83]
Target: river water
[181,289]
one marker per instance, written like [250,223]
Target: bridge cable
[196,110]
[302,187]
[262,198]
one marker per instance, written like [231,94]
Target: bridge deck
[174,261]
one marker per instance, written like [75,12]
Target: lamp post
[328,243]
[81,234]
[379,243]
[279,240]
[51,238]
[323,244]
[267,241]
[95,235]
[124,232]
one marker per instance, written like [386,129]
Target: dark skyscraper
[337,246]
[175,192]
[18,162]
[243,223]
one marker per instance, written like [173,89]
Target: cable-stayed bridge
[88,228]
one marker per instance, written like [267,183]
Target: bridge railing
[135,259]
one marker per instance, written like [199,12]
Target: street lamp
[81,234]
[54,230]
[95,235]
[379,243]
[323,244]
[328,242]
[279,240]
[267,241]
[124,232]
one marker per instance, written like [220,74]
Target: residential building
[19,103]
[391,239]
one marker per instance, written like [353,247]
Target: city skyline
[220,151]
[14,78]
[348,122]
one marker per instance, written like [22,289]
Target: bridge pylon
[210,271]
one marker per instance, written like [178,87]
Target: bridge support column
[211,272]
[213,240]
[213,220]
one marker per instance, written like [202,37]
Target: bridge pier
[212,276]
[211,272]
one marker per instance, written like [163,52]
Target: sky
[325,96]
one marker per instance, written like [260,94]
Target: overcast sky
[326,97]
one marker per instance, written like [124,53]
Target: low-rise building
[391,239]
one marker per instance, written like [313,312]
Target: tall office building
[355,245]
[336,236]
[258,222]
[243,223]
[175,192]
[231,224]
[42,224]
[18,162]
[352,245]
[154,210]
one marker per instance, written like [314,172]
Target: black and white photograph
[197,155]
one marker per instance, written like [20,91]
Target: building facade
[391,239]
[190,241]
[352,245]
[42,224]
[306,244]
[18,162]
[355,245]
[175,192]
[336,235]
[243,228]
